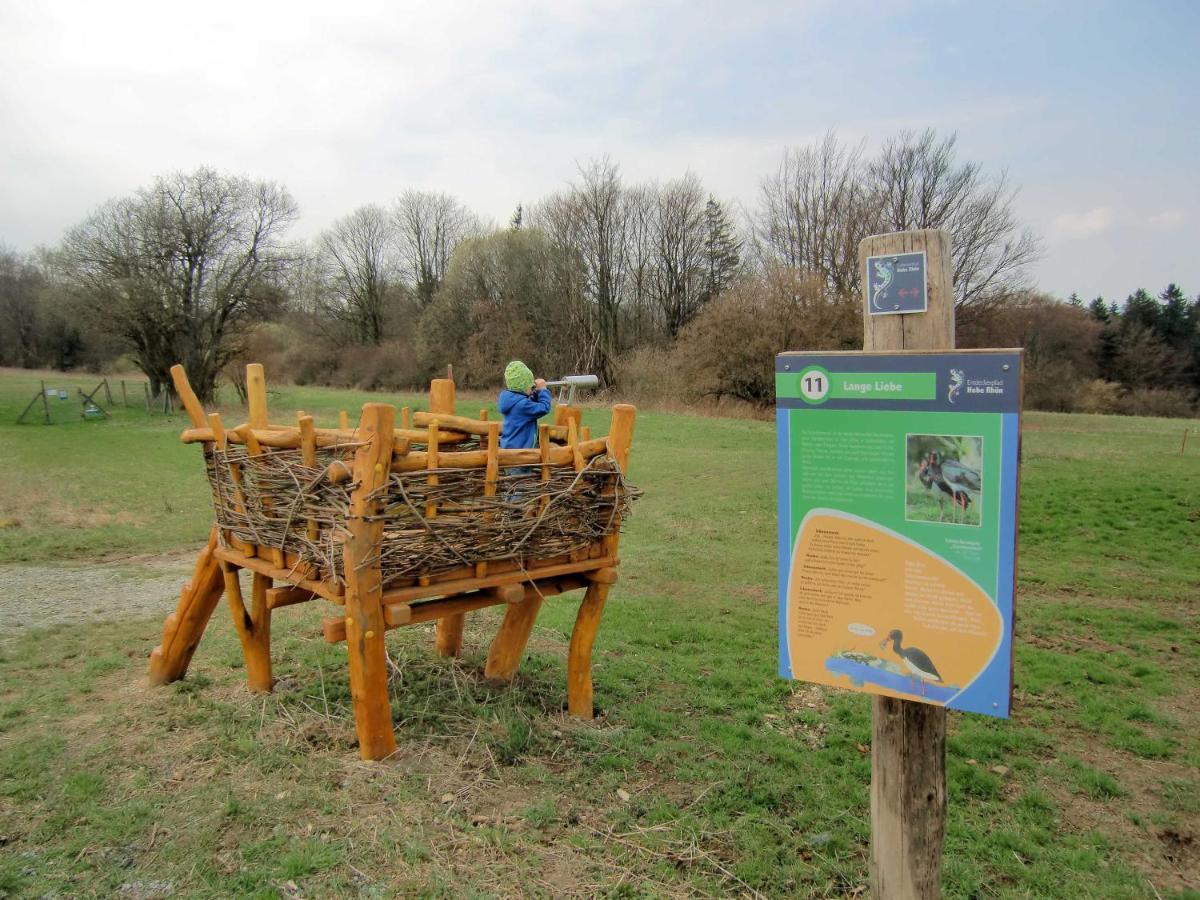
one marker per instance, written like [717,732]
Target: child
[524,402]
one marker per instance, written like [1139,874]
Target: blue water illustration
[888,675]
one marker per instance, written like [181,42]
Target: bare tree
[360,275]
[20,281]
[590,220]
[640,308]
[428,228]
[814,211]
[918,182]
[181,267]
[681,268]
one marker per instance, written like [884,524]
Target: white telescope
[569,383]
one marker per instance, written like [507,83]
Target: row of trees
[639,282]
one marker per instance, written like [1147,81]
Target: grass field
[705,775]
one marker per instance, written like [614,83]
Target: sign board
[898,522]
[896,284]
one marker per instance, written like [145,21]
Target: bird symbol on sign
[885,271]
[918,663]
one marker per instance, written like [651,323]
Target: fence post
[45,403]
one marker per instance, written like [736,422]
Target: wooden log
[253,627]
[289,438]
[183,629]
[587,620]
[416,461]
[278,597]
[275,554]
[544,456]
[490,478]
[514,576]
[400,614]
[365,625]
[187,396]
[620,439]
[331,592]
[908,743]
[431,463]
[508,646]
[603,576]
[220,440]
[308,456]
[579,654]
[256,396]
[449,631]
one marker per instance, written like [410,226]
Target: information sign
[897,522]
[896,284]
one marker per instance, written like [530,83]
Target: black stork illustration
[952,478]
[918,663]
[925,476]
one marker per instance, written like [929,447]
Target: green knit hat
[518,377]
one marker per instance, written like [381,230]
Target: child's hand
[539,383]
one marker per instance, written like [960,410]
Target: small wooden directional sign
[896,284]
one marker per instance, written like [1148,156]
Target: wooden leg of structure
[253,627]
[579,657]
[508,647]
[449,633]
[183,628]
[908,797]
[365,624]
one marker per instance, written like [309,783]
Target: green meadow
[704,774]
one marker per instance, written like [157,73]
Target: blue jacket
[520,417]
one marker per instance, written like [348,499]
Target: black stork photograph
[944,479]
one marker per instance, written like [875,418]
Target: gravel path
[34,596]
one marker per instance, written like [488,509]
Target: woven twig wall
[271,499]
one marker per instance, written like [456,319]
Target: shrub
[1163,402]
[1099,396]
[729,349]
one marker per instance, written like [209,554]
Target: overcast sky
[1090,107]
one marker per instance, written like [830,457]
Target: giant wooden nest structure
[424,522]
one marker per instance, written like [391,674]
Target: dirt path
[34,596]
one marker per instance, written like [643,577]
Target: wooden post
[504,656]
[253,627]
[146,391]
[587,620]
[908,739]
[449,630]
[124,396]
[308,455]
[365,625]
[184,627]
[187,396]
[107,393]
[45,403]
[491,474]
[256,395]
[1183,446]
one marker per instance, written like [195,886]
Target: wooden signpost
[897,521]
[908,739]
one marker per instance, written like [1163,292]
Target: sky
[1089,108]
